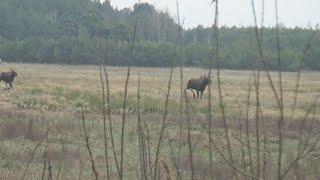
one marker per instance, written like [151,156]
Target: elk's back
[194,84]
[6,76]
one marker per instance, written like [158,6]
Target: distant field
[58,87]
[53,93]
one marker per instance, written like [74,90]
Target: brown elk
[199,85]
[8,77]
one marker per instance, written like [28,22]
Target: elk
[8,77]
[199,85]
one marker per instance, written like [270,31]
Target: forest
[66,32]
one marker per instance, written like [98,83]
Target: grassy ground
[52,94]
[55,87]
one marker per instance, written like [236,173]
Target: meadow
[51,96]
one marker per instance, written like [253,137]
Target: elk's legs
[201,94]
[197,94]
[194,95]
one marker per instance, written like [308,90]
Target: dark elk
[199,85]
[8,77]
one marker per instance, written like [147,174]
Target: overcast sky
[237,12]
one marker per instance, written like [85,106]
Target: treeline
[65,31]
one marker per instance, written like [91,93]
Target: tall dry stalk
[225,158]
[193,174]
[35,150]
[139,129]
[265,142]
[262,21]
[148,148]
[175,163]
[247,125]
[174,159]
[109,118]
[181,84]
[166,105]
[301,65]
[164,119]
[126,94]
[220,152]
[279,98]
[279,94]
[103,110]
[281,118]
[210,108]
[221,103]
[240,135]
[258,106]
[45,158]
[257,119]
[49,177]
[142,147]
[93,166]
[60,158]
[303,127]
[258,98]
[304,148]
[49,167]
[261,58]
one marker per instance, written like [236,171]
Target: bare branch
[301,65]
[35,150]
[126,93]
[103,110]
[193,175]
[93,167]
[110,119]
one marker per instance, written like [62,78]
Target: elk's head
[13,72]
[206,79]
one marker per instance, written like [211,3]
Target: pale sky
[237,12]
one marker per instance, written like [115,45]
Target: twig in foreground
[125,95]
[93,167]
[35,150]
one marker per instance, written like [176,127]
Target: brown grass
[32,98]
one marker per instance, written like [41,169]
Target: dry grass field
[52,94]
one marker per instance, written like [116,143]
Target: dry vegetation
[50,96]
[62,88]
[59,123]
